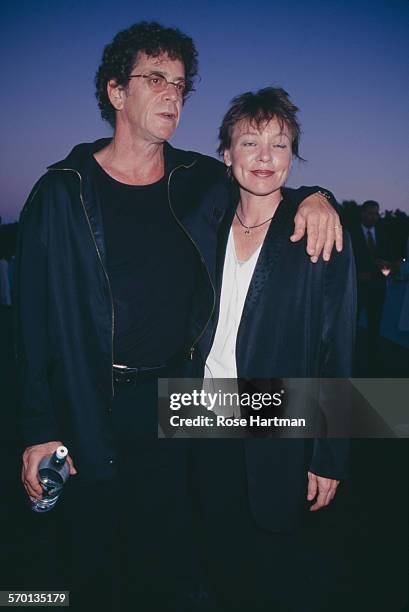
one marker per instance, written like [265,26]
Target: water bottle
[53,471]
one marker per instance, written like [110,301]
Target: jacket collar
[80,156]
[277,234]
[79,160]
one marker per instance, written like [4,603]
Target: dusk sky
[344,63]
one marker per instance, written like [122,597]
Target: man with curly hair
[115,287]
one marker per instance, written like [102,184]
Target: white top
[221,362]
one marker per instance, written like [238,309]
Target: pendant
[247,231]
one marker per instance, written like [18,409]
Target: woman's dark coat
[298,321]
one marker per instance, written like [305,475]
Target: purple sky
[344,63]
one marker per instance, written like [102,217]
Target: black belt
[124,375]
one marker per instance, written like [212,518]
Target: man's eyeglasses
[157,82]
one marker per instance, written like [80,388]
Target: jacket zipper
[103,268]
[192,348]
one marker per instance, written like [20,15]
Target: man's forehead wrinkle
[159,59]
[155,61]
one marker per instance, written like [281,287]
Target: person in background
[373,258]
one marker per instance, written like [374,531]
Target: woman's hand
[316,215]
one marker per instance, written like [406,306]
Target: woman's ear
[227,158]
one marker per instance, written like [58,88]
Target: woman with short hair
[278,315]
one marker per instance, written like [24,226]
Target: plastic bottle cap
[61,452]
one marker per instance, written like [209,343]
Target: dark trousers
[131,541]
[178,516]
[251,568]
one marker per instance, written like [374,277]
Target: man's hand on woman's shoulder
[320,220]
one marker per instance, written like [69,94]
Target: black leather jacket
[64,309]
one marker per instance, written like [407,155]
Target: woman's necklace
[250,227]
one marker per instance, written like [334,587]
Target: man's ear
[116,94]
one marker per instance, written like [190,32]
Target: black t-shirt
[152,266]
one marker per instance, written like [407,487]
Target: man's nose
[171,91]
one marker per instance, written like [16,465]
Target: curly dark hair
[258,108]
[120,55]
